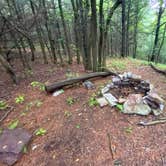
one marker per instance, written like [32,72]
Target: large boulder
[135,105]
[12,143]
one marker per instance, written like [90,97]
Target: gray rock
[102,101]
[135,105]
[116,79]
[88,84]
[110,98]
[155,102]
[12,143]
[105,90]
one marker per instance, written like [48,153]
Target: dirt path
[77,134]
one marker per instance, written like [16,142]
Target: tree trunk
[111,11]
[76,30]
[84,36]
[123,28]
[154,51]
[51,41]
[94,34]
[135,29]
[162,42]
[127,28]
[38,30]
[101,26]
[65,32]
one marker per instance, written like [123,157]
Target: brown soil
[82,138]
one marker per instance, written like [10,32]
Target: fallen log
[58,85]
[158,70]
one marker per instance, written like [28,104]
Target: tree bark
[38,30]
[76,30]
[108,20]
[123,48]
[135,29]
[153,55]
[101,26]
[94,35]
[65,32]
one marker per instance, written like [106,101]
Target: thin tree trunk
[65,32]
[94,34]
[51,41]
[76,30]
[123,50]
[127,28]
[135,29]
[161,45]
[154,51]
[101,26]
[111,11]
[38,30]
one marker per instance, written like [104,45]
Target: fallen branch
[159,121]
[64,83]
[158,70]
[6,114]
[110,146]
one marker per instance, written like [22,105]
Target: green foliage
[92,101]
[40,132]
[67,114]
[70,100]
[36,103]
[39,85]
[117,65]
[3,105]
[119,107]
[129,130]
[20,99]
[24,149]
[78,126]
[13,124]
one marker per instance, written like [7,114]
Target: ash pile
[132,95]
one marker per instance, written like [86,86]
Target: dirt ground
[83,137]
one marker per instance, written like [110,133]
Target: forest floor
[77,134]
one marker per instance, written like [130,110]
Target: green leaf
[39,85]
[3,105]
[40,131]
[13,124]
[24,150]
[20,99]
[78,126]
[128,130]
[119,106]
[70,100]
[92,102]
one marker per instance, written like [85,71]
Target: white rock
[58,92]
[102,101]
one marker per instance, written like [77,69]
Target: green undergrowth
[120,64]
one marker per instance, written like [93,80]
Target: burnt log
[58,85]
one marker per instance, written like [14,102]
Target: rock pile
[136,95]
